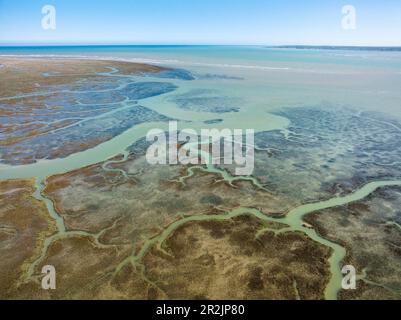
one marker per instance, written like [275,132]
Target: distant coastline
[350,48]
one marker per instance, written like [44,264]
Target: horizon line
[295,46]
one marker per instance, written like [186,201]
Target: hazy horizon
[289,46]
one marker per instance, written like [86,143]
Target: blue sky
[267,22]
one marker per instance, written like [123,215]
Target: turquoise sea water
[271,78]
[256,82]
